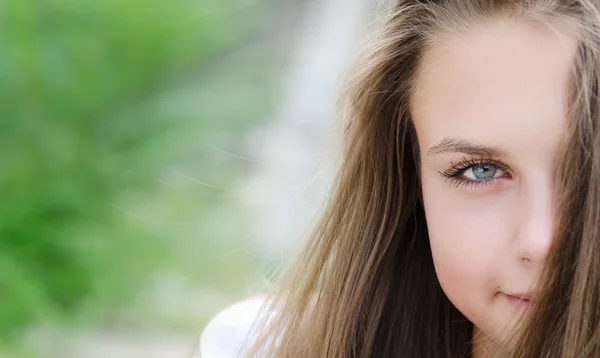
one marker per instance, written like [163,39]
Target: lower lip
[518,303]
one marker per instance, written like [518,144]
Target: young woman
[465,220]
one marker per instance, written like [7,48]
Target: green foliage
[76,77]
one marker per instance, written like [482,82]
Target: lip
[526,296]
[520,301]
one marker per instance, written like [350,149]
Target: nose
[536,217]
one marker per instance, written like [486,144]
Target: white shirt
[225,334]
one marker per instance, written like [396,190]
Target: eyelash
[454,173]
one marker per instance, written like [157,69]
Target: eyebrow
[454,145]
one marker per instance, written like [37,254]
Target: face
[490,113]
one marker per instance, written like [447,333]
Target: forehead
[500,80]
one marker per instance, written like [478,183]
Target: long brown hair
[364,285]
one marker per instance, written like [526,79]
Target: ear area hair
[414,147]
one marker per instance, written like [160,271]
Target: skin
[501,87]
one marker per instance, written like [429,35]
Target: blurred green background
[118,118]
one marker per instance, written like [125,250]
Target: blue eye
[475,171]
[484,171]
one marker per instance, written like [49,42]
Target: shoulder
[225,334]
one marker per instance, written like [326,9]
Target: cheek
[466,236]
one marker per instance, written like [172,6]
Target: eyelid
[467,184]
[466,163]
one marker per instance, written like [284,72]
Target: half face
[489,109]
